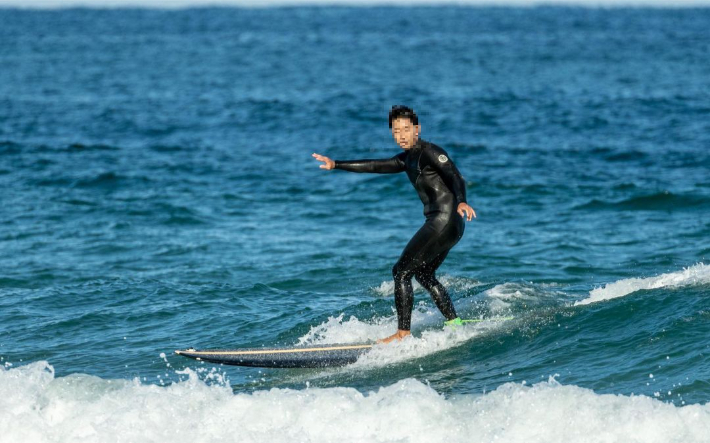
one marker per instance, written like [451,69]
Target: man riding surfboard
[442,191]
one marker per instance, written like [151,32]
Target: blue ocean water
[158,192]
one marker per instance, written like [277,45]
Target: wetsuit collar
[418,145]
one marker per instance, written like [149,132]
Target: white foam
[693,275]
[36,407]
[435,338]
[427,343]
[174,4]
[502,297]
[337,330]
[512,291]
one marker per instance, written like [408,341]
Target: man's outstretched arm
[379,166]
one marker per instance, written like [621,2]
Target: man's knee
[401,272]
[396,271]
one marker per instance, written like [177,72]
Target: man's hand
[464,210]
[329,164]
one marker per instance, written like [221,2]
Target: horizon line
[256,4]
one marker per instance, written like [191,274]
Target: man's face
[405,133]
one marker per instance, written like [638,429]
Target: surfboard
[321,356]
[316,356]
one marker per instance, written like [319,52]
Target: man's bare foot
[399,335]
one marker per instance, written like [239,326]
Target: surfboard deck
[321,356]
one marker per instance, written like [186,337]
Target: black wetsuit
[441,188]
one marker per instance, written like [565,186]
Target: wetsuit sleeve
[381,166]
[438,159]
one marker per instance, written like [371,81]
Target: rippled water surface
[158,193]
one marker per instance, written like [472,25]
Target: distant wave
[174,4]
[698,274]
[39,407]
[660,201]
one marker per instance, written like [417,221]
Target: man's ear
[418,129]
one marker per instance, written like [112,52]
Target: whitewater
[38,407]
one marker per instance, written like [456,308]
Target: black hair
[399,111]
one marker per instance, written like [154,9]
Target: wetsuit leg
[426,276]
[403,271]
[429,246]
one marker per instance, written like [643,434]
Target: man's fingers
[466,212]
[329,164]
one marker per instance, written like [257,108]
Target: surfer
[442,190]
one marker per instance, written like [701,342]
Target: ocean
[158,193]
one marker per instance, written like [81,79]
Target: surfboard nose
[180,352]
